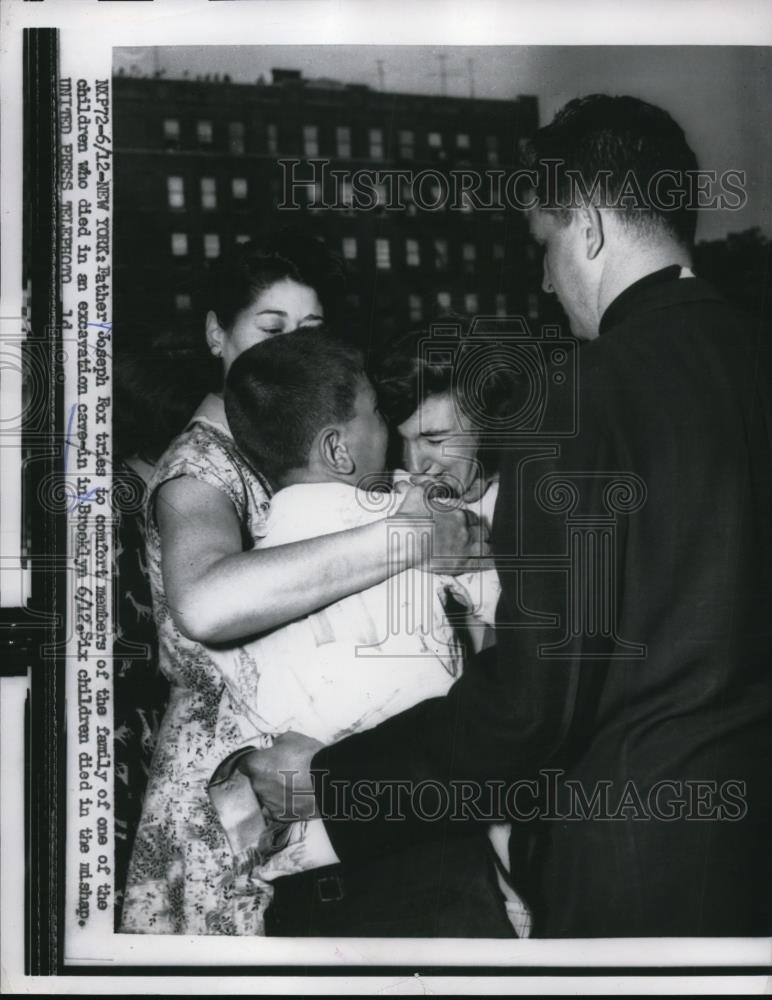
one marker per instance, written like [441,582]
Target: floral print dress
[140,690]
[181,877]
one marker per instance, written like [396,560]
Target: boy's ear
[334,452]
[214,334]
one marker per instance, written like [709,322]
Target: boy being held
[302,409]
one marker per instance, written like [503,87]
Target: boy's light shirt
[333,673]
[481,596]
[306,845]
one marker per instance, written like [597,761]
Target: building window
[272,139]
[239,187]
[467,205]
[175,187]
[432,196]
[243,238]
[315,196]
[443,300]
[179,244]
[343,141]
[382,254]
[376,143]
[462,140]
[407,198]
[435,140]
[498,251]
[413,253]
[533,305]
[469,255]
[236,138]
[350,247]
[440,254]
[171,130]
[310,140]
[416,308]
[407,144]
[208,192]
[347,197]
[204,133]
[211,245]
[492,147]
[501,304]
[471,302]
[182,302]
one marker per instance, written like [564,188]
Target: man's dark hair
[280,393]
[625,144]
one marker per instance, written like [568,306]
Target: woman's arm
[216,592]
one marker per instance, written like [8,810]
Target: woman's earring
[217,352]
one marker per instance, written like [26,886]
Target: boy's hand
[459,537]
[281,776]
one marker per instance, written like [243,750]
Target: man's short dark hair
[280,393]
[625,144]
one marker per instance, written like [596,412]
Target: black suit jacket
[641,715]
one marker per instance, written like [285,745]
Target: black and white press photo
[429,226]
[387,458]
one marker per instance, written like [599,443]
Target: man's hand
[281,776]
[459,537]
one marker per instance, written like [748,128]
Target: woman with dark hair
[206,506]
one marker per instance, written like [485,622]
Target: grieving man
[626,708]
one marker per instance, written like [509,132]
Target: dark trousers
[439,889]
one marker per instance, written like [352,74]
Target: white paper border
[95,27]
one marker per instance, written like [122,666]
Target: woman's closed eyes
[272,329]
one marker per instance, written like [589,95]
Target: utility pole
[443,58]
[443,73]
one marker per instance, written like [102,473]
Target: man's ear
[333,451]
[591,222]
[214,334]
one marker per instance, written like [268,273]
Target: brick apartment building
[198,167]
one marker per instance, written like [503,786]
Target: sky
[721,96]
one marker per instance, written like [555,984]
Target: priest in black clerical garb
[628,699]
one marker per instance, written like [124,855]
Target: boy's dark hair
[626,142]
[280,393]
